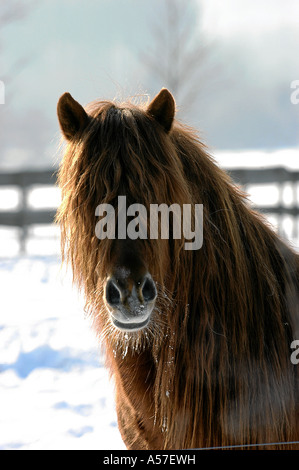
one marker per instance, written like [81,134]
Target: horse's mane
[230,310]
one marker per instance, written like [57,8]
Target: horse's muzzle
[130,301]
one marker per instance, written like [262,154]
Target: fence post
[23,209]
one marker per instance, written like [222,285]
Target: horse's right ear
[72,116]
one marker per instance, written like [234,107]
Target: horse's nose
[131,299]
[120,291]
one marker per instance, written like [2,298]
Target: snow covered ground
[55,392]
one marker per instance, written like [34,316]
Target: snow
[55,390]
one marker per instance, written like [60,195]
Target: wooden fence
[25,216]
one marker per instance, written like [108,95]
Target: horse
[197,341]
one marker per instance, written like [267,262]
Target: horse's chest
[135,406]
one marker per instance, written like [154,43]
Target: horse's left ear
[162,108]
[71,115]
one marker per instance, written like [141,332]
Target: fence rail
[25,216]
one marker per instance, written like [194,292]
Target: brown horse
[198,341]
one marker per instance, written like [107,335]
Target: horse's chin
[131,320]
[129,326]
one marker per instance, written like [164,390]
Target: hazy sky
[96,49]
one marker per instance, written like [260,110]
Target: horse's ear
[162,108]
[71,116]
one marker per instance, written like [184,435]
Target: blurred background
[233,67]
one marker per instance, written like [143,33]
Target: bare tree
[10,12]
[179,58]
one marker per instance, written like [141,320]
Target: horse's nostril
[112,294]
[149,290]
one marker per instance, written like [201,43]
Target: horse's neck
[135,373]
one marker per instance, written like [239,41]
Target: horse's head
[118,151]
